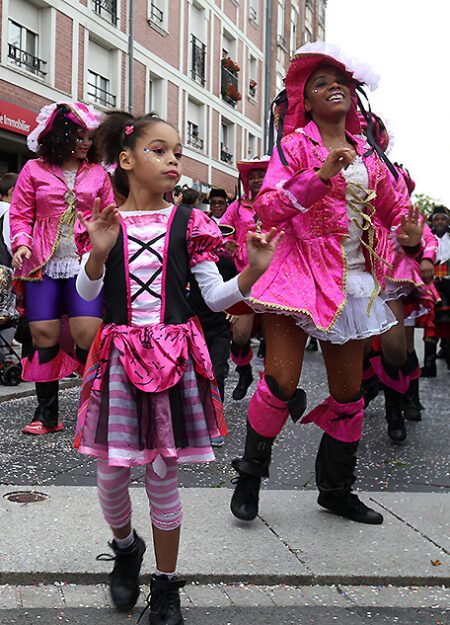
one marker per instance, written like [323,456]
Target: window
[23,49]
[322,10]
[280,24]
[107,8]
[198,54]
[253,74]
[251,148]
[99,90]
[157,13]
[226,143]
[156,95]
[294,25]
[308,35]
[99,76]
[195,125]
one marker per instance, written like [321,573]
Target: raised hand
[337,159]
[103,229]
[411,228]
[261,248]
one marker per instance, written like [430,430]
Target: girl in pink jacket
[64,179]
[323,186]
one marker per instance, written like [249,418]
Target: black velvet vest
[176,265]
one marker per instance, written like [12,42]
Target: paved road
[420,465]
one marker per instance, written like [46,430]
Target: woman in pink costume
[409,294]
[51,188]
[146,398]
[241,216]
[323,189]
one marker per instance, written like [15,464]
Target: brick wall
[139,89]
[22,97]
[63,57]
[81,36]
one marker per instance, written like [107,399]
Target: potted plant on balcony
[230,65]
[252,87]
[229,92]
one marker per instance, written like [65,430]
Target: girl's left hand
[411,229]
[261,248]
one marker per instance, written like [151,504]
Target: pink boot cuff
[400,385]
[58,368]
[241,361]
[341,421]
[266,413]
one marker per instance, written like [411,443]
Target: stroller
[10,367]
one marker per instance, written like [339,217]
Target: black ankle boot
[124,579]
[335,474]
[251,468]
[164,601]
[245,379]
[394,415]
[429,364]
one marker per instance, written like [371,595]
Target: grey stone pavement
[295,563]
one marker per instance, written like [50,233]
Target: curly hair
[58,145]
[112,139]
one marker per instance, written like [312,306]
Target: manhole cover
[25,496]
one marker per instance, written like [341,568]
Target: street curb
[34,577]
[63,384]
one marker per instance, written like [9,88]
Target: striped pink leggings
[165,505]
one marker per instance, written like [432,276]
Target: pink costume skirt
[126,425]
[353,322]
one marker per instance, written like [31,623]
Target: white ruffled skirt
[354,323]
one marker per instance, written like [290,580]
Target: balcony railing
[101,96]
[281,41]
[229,79]
[193,139]
[107,6]
[156,15]
[198,60]
[253,14]
[22,58]
[226,156]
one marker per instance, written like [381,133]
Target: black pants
[218,343]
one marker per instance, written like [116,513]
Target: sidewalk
[292,542]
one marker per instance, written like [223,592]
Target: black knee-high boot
[429,366]
[394,403]
[251,468]
[335,475]
[411,401]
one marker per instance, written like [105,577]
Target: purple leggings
[46,300]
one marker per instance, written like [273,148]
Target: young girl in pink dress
[323,186]
[146,398]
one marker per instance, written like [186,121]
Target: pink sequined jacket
[38,206]
[243,218]
[308,272]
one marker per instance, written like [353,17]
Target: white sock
[124,543]
[169,575]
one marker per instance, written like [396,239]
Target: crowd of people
[121,278]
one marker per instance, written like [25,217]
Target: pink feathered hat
[84,115]
[305,61]
[245,167]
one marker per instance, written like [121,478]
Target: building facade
[198,63]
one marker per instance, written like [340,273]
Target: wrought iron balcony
[156,15]
[226,156]
[198,60]
[192,137]
[253,14]
[229,85]
[101,96]
[24,59]
[107,6]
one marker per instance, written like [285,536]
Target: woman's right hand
[337,159]
[103,229]
[22,252]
